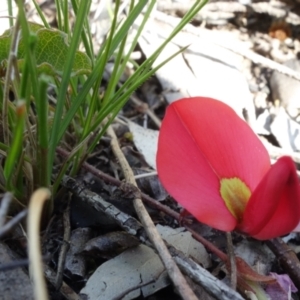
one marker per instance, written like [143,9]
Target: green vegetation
[34,59]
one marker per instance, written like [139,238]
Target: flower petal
[186,173]
[226,141]
[274,207]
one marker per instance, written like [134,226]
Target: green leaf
[51,52]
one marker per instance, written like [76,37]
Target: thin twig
[65,290]
[64,247]
[207,244]
[287,258]
[232,262]
[145,175]
[6,200]
[20,263]
[174,273]
[14,265]
[36,203]
[8,227]
[211,284]
[147,110]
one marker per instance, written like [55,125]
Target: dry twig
[147,110]
[65,290]
[8,227]
[232,262]
[64,247]
[174,273]
[287,258]
[212,285]
[6,200]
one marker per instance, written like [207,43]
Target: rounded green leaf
[51,51]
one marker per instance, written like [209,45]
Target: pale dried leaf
[286,131]
[125,272]
[183,241]
[145,141]
[75,264]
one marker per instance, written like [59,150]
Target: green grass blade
[65,5]
[96,73]
[86,34]
[20,109]
[42,133]
[54,138]
[40,13]
[103,62]
[122,95]
[10,12]
[59,14]
[16,145]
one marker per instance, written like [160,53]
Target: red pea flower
[215,166]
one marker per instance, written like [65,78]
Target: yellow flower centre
[235,194]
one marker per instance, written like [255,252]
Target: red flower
[213,164]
